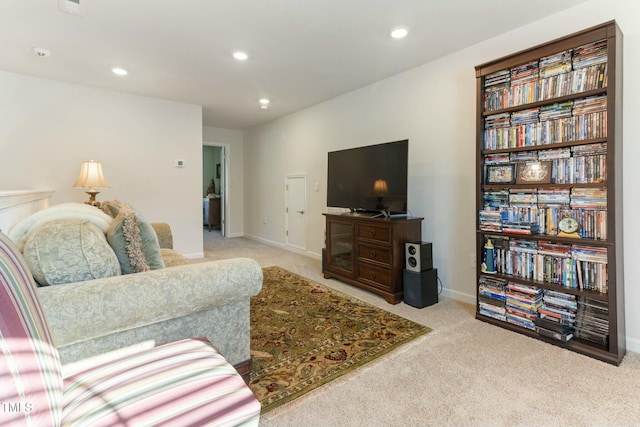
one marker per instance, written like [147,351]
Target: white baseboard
[283,246]
[459,296]
[633,345]
[196,255]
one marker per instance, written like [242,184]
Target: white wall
[434,106]
[234,140]
[47,128]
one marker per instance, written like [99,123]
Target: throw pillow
[111,207]
[20,232]
[134,241]
[69,250]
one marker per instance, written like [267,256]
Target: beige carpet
[464,373]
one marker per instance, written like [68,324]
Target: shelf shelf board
[577,345]
[525,186]
[546,237]
[545,146]
[553,287]
[586,94]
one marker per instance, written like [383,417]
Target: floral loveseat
[96,312]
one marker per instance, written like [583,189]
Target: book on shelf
[588,198]
[592,321]
[558,63]
[553,334]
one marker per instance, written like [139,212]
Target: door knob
[300,212]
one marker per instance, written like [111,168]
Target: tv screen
[370,178]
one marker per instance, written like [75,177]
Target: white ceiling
[302,52]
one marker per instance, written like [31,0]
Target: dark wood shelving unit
[369,252]
[613,350]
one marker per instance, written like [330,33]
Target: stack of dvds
[496,94]
[495,199]
[497,78]
[554,154]
[525,128]
[520,227]
[524,83]
[590,54]
[522,304]
[557,266]
[490,221]
[553,197]
[525,116]
[523,156]
[592,321]
[592,104]
[589,198]
[556,111]
[516,257]
[491,297]
[496,158]
[522,215]
[555,64]
[555,75]
[523,196]
[591,267]
[557,315]
[496,131]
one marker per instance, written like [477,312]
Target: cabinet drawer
[375,276]
[375,253]
[373,232]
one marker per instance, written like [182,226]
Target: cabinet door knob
[373,232]
[373,275]
[373,254]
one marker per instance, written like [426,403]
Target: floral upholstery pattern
[69,250]
[118,314]
[209,299]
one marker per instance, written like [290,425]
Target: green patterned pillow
[111,207]
[134,241]
[69,250]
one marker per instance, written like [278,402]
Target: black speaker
[418,256]
[420,288]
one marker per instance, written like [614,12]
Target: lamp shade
[91,176]
[380,187]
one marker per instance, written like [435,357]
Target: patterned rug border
[310,385]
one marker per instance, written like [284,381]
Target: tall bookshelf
[549,193]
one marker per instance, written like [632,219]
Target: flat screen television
[372,178]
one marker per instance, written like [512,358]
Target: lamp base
[92,199]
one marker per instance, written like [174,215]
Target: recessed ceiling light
[119,71]
[240,56]
[399,32]
[264,103]
[40,52]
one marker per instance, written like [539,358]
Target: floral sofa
[183,383]
[96,311]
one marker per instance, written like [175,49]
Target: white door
[223,189]
[296,206]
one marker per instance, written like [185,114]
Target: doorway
[296,206]
[215,186]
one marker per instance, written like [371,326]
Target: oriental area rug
[304,334]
